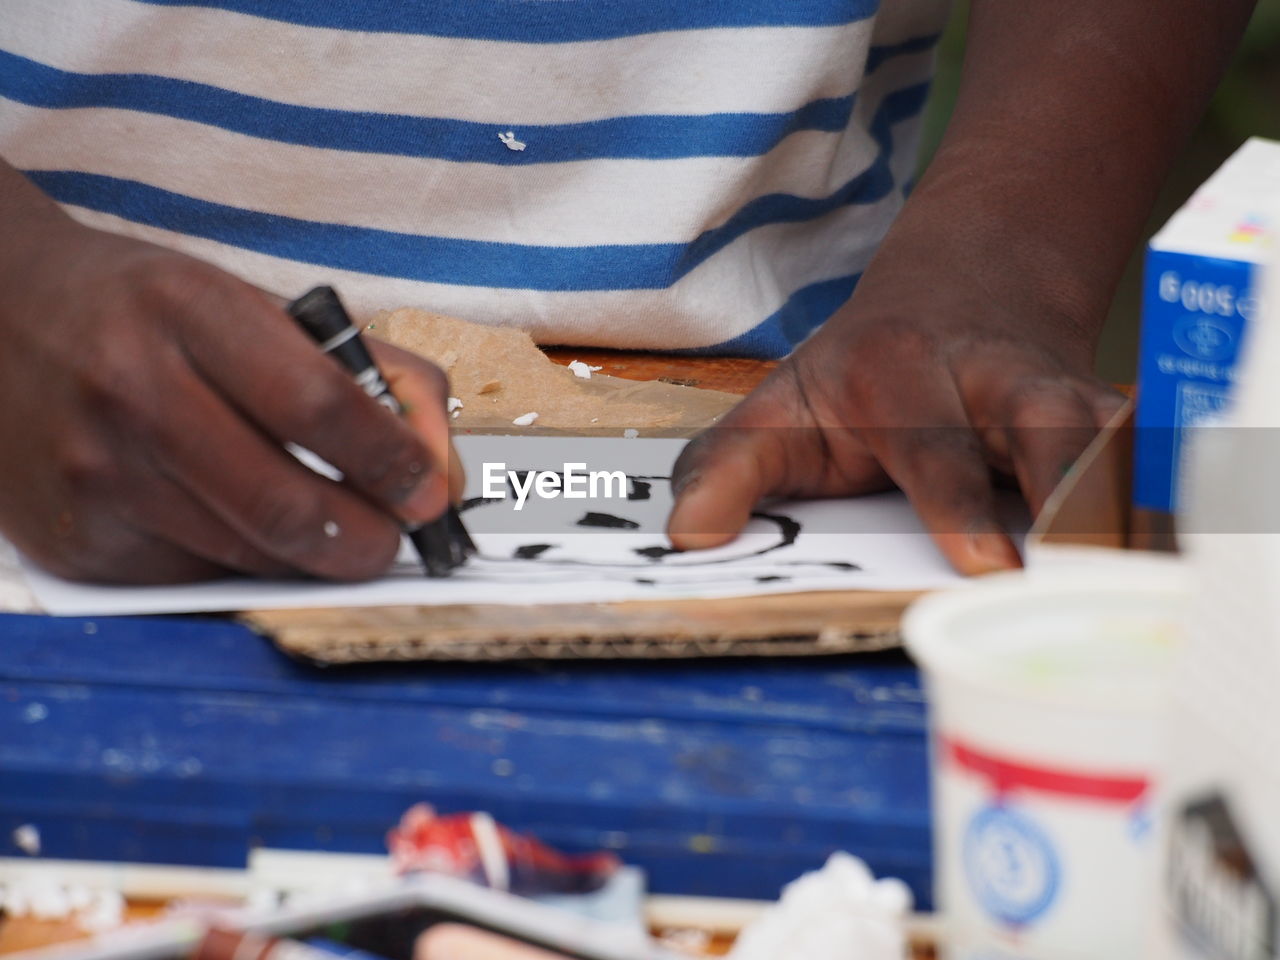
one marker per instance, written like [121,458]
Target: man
[634,173]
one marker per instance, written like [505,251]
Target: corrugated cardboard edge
[775,625]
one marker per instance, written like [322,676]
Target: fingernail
[686,482]
[457,476]
[426,500]
[991,551]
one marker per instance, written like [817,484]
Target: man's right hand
[145,400]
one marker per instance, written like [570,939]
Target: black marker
[442,544]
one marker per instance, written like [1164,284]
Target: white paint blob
[509,140]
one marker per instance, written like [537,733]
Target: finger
[282,509]
[252,353]
[423,391]
[943,472]
[1050,427]
[726,470]
[944,475]
[1035,424]
[779,442]
[718,479]
[173,516]
[123,555]
[457,476]
[83,523]
[91,523]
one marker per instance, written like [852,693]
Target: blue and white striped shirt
[653,174]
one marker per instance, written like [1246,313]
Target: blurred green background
[1246,104]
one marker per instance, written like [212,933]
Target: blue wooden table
[191,740]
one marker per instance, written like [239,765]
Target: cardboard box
[1198,301]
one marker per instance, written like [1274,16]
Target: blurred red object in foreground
[475,847]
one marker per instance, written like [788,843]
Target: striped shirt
[701,175]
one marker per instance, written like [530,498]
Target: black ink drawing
[530,551]
[608,521]
[638,489]
[525,558]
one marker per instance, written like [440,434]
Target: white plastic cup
[1048,699]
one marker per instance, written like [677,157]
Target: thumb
[423,389]
[718,479]
[457,476]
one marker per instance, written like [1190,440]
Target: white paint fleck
[47,900]
[582,370]
[595,419]
[90,627]
[631,433]
[686,940]
[830,636]
[455,414]
[331,529]
[454,404]
[525,419]
[106,912]
[509,140]
[79,896]
[27,839]
[35,712]
[114,758]
[15,901]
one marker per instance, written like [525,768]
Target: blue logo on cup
[1203,338]
[1011,865]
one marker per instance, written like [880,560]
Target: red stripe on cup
[1007,775]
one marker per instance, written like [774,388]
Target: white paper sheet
[871,542]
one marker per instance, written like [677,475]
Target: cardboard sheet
[499,374]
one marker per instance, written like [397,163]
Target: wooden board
[189,741]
